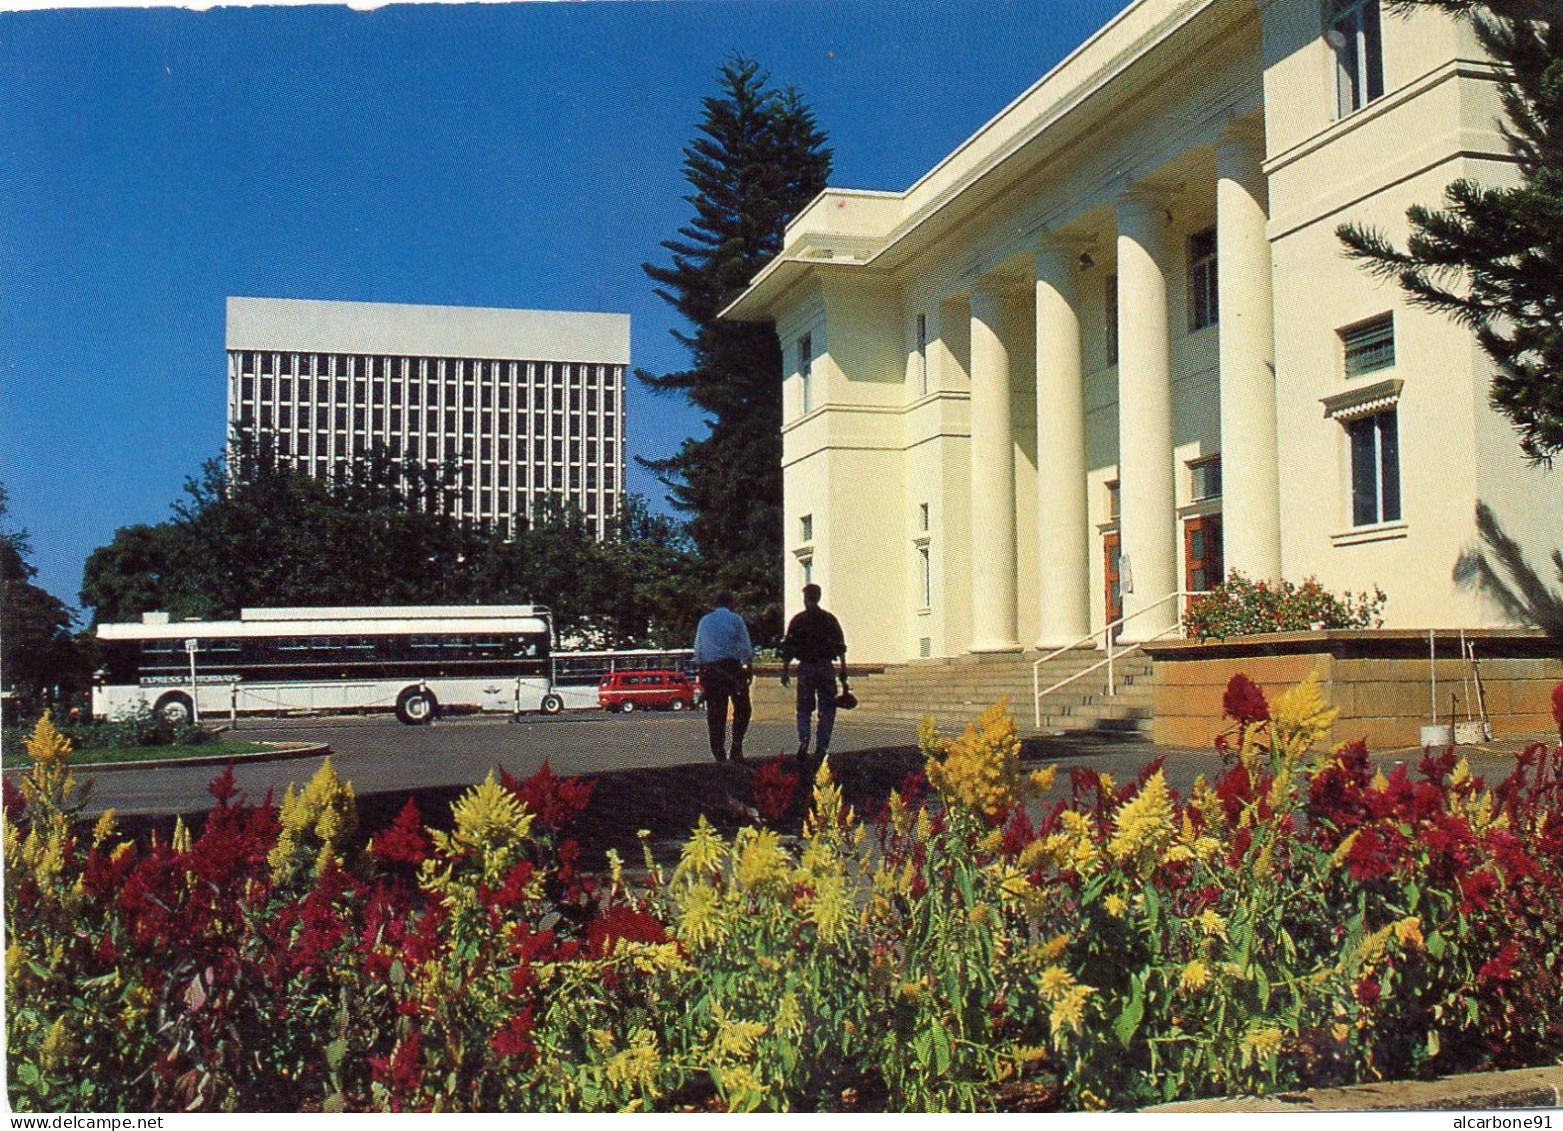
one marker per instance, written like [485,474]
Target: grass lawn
[147,753]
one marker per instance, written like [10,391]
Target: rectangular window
[1369,346]
[807,565]
[1375,468]
[925,567]
[1206,476]
[1354,36]
[1110,304]
[922,517]
[806,369]
[922,355]
[1112,501]
[1202,279]
[806,528]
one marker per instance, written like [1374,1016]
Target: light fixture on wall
[1086,262]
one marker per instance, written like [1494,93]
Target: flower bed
[1303,919]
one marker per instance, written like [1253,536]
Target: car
[645,691]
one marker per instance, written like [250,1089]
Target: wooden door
[1112,561]
[1203,567]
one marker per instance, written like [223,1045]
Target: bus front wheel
[416,707]
[552,704]
[176,708]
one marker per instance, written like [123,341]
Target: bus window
[422,640]
[291,644]
[358,644]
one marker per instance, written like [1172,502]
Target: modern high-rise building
[526,403]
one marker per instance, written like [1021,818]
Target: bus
[417,660]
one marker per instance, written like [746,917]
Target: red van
[644,691]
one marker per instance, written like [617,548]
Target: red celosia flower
[1557,708]
[15,804]
[1477,890]
[1374,853]
[622,923]
[512,888]
[1500,967]
[402,1072]
[1244,701]
[774,787]
[514,1039]
[554,800]
[1368,992]
[405,842]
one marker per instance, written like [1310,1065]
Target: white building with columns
[1110,349]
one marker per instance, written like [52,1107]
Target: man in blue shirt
[725,658]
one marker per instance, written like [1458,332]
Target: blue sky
[155,161]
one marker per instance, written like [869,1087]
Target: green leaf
[334,1104]
[1128,1021]
[1436,944]
[922,1045]
[398,974]
[27,1074]
[1433,1045]
[336,1051]
[1262,985]
[941,1049]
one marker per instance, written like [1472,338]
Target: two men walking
[725,657]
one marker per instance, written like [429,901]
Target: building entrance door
[1113,566]
[1203,567]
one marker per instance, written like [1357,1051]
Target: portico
[1042,389]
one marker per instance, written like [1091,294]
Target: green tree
[37,652]
[1492,257]
[758,160]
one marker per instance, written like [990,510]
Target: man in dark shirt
[815,640]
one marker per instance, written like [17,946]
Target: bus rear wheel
[552,704]
[628,706]
[175,708]
[416,707]
[677,705]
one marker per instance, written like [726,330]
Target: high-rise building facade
[524,403]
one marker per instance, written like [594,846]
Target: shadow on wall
[1498,568]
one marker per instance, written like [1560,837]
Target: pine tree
[1492,257]
[758,159]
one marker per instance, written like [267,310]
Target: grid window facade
[1369,346]
[1203,308]
[1354,35]
[474,410]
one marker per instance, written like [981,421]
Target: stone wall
[1380,680]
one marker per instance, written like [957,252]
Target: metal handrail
[1113,651]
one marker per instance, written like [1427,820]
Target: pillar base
[996,647]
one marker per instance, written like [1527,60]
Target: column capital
[1240,148]
[1056,253]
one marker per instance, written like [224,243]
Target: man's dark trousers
[724,682]
[816,691]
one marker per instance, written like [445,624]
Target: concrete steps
[955,691]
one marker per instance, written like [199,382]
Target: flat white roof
[401,329]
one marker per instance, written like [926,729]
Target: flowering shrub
[1305,918]
[1241,606]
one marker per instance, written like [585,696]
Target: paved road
[380,755]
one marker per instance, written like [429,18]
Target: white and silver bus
[413,659]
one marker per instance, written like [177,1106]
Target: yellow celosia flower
[1340,1032]
[1379,783]
[1054,947]
[1195,975]
[1144,825]
[1409,932]
[829,906]
[992,842]
[1300,717]
[181,838]
[1056,982]
[488,816]
[1461,772]
[1042,780]
[55,1049]
[319,820]
[981,770]
[789,1016]
[1115,906]
[636,1066]
[761,860]
[735,1039]
[1264,1042]
[48,748]
[923,829]
[1211,922]
[1068,1012]
[103,829]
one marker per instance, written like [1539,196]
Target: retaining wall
[1380,679]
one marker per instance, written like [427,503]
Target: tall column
[1250,485]
[1061,503]
[995,626]
[1147,520]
